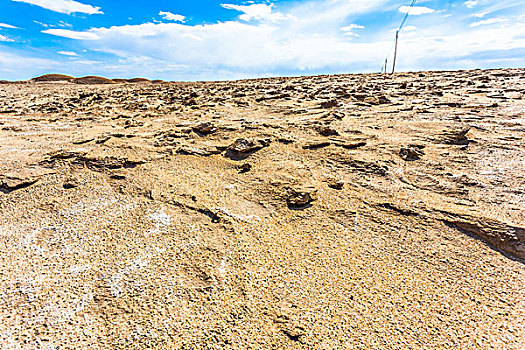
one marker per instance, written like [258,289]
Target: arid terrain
[329,212]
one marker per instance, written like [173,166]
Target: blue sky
[211,40]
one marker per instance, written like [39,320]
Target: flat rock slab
[25,177]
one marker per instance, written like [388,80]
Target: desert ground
[328,212]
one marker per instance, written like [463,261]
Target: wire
[383,67]
[406,15]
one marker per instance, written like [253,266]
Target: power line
[406,15]
[394,45]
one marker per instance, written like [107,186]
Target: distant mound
[53,77]
[138,80]
[93,80]
[131,81]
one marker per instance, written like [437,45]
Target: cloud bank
[64,6]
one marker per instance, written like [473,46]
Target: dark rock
[242,148]
[70,183]
[334,183]
[456,135]
[244,168]
[326,130]
[23,178]
[204,128]
[376,100]
[329,104]
[316,144]
[300,198]
[411,152]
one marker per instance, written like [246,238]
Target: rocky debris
[22,178]
[291,329]
[412,152]
[244,168]
[200,150]
[376,100]
[93,161]
[506,237]
[133,123]
[363,166]
[242,148]
[455,135]
[335,183]
[300,198]
[205,128]
[500,95]
[70,183]
[398,208]
[348,144]
[329,104]
[171,137]
[286,318]
[326,130]
[316,144]
[273,96]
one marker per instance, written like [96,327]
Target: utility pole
[395,53]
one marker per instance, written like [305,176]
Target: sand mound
[93,80]
[53,77]
[138,80]
[131,81]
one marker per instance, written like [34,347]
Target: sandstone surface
[328,212]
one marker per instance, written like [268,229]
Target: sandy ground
[329,212]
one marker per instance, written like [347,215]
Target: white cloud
[5,38]
[67,53]
[256,11]
[64,24]
[489,21]
[5,25]
[64,6]
[480,15]
[71,34]
[310,39]
[348,30]
[42,24]
[416,10]
[351,27]
[172,17]
[471,3]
